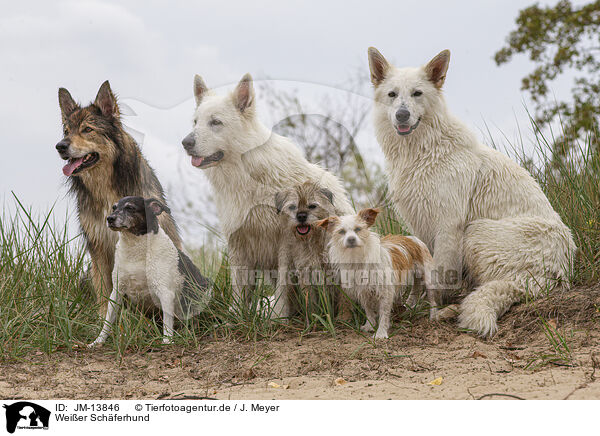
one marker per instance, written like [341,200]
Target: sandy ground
[348,366]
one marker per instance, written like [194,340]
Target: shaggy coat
[475,208]
[375,271]
[302,253]
[104,164]
[247,165]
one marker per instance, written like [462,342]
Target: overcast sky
[151,50]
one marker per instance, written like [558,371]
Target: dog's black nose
[402,115]
[63,145]
[110,219]
[351,241]
[189,142]
[301,216]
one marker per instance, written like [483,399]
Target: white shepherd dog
[476,209]
[247,165]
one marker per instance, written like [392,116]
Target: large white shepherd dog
[477,210]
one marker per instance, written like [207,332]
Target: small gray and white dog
[149,269]
[302,251]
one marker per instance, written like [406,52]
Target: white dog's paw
[381,335]
[167,340]
[367,327]
[482,322]
[94,344]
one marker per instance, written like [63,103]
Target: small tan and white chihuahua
[375,270]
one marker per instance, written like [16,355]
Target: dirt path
[348,366]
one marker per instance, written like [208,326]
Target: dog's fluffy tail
[481,309]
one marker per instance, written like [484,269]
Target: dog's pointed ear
[369,215]
[328,223]
[107,102]
[437,68]
[243,95]
[378,65]
[155,206]
[200,89]
[66,103]
[327,193]
[280,198]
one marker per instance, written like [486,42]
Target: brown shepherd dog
[104,165]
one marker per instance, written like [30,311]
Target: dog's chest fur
[308,252]
[146,266]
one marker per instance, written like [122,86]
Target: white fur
[146,271]
[368,275]
[256,165]
[468,202]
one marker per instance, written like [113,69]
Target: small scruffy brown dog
[302,253]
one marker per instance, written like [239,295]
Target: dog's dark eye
[392,94]
[129,208]
[342,232]
[358,229]
[66,131]
[87,130]
[417,93]
[312,206]
[215,122]
[292,207]
[114,207]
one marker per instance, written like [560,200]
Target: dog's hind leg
[510,258]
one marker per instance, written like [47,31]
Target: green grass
[560,353]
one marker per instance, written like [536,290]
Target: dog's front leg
[448,259]
[371,314]
[306,290]
[280,298]
[239,274]
[102,265]
[167,303]
[385,311]
[111,315]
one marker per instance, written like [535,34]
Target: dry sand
[348,366]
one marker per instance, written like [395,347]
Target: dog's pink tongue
[72,166]
[197,161]
[403,129]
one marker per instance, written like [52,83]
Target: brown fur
[417,254]
[121,171]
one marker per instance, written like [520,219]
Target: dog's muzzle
[209,161]
[405,129]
